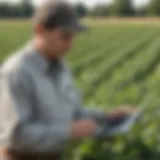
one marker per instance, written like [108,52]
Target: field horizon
[96,21]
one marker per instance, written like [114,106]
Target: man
[41,110]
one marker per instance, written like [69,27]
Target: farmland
[113,63]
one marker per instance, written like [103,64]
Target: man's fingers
[125,110]
[83,128]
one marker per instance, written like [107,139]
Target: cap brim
[81,28]
[78,28]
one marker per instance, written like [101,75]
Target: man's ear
[39,29]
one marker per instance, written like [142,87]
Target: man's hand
[121,112]
[86,128]
[83,128]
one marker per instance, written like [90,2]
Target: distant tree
[23,9]
[154,8]
[101,10]
[123,8]
[81,9]
[142,11]
[26,8]
[4,9]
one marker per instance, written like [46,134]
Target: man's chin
[59,55]
[63,54]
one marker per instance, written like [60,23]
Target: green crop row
[107,69]
[113,65]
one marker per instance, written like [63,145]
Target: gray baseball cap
[58,14]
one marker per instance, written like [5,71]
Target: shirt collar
[40,61]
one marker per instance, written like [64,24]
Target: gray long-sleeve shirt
[38,103]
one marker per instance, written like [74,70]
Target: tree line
[120,8]
[124,8]
[24,9]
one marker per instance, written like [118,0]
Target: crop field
[113,64]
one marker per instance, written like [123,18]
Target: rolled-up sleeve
[19,128]
[85,112]
[96,114]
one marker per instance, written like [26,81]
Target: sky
[88,2]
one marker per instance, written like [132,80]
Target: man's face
[57,41]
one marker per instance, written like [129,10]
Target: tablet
[122,126]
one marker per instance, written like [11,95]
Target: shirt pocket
[46,100]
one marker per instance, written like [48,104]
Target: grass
[12,36]
[116,62]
